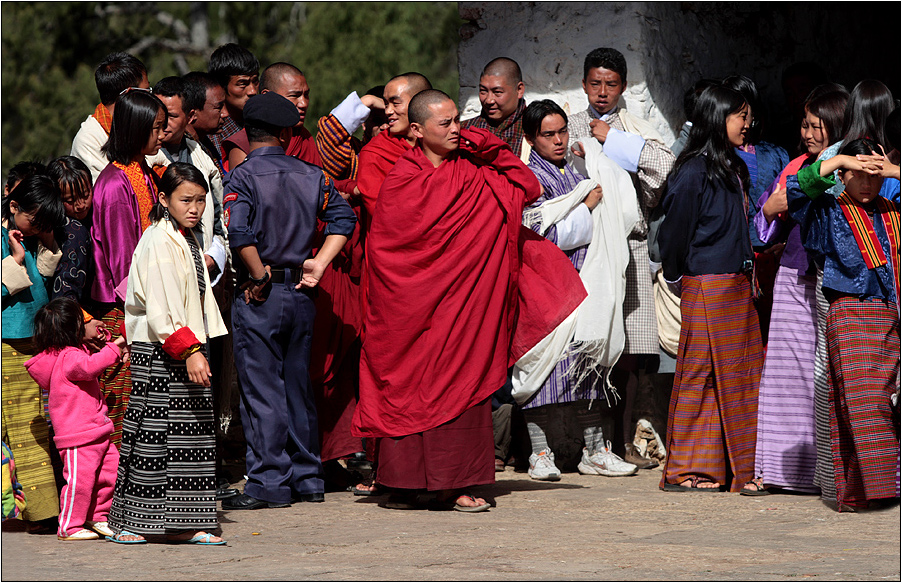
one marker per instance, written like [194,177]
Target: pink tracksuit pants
[90,473]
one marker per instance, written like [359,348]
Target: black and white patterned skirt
[167,465]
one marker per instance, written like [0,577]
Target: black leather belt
[286,274]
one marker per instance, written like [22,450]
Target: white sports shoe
[541,467]
[604,462]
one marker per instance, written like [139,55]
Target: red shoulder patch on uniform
[230,197]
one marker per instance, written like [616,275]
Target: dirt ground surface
[581,528]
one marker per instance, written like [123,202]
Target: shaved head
[418,111]
[415,82]
[503,67]
[271,78]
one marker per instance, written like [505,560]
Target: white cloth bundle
[595,329]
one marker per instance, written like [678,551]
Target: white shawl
[595,328]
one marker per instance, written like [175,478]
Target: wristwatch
[262,280]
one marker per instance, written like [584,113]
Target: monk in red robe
[378,157]
[444,259]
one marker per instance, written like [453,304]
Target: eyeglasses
[127,89]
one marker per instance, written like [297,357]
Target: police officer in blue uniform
[272,205]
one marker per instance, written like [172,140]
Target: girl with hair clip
[166,483]
[67,339]
[76,266]
[124,193]
[855,237]
[786,451]
[31,211]
[707,255]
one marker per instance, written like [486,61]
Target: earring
[165,214]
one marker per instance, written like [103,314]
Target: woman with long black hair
[124,193]
[707,254]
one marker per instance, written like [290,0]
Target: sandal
[693,487]
[759,489]
[461,508]
[452,504]
[83,534]
[398,501]
[117,538]
[197,539]
[366,488]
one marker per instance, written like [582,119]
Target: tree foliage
[50,51]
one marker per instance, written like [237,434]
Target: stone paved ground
[581,528]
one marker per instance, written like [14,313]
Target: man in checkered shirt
[638,148]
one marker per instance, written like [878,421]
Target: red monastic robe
[444,290]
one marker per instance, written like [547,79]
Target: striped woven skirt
[167,460]
[863,346]
[116,381]
[823,470]
[714,405]
[786,452]
[26,432]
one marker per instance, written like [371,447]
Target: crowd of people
[409,296]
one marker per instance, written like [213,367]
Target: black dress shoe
[313,497]
[226,492]
[248,502]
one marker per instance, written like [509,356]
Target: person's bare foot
[127,537]
[188,535]
[699,483]
[469,501]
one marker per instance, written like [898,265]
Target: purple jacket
[115,231]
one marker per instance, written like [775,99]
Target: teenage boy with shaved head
[444,266]
[501,92]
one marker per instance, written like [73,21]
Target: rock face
[670,45]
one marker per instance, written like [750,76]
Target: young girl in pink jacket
[66,365]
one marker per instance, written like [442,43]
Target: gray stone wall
[669,45]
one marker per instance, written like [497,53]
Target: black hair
[172,86]
[862,146]
[504,67]
[828,103]
[230,60]
[261,132]
[175,175]
[690,98]
[71,174]
[60,323]
[418,108]
[117,72]
[195,86]
[891,129]
[23,170]
[133,121]
[606,58]
[869,105]
[537,111]
[39,195]
[749,90]
[273,74]
[708,137]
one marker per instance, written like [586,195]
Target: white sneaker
[541,467]
[604,462]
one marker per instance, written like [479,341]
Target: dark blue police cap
[272,109]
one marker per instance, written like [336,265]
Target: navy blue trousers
[278,411]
